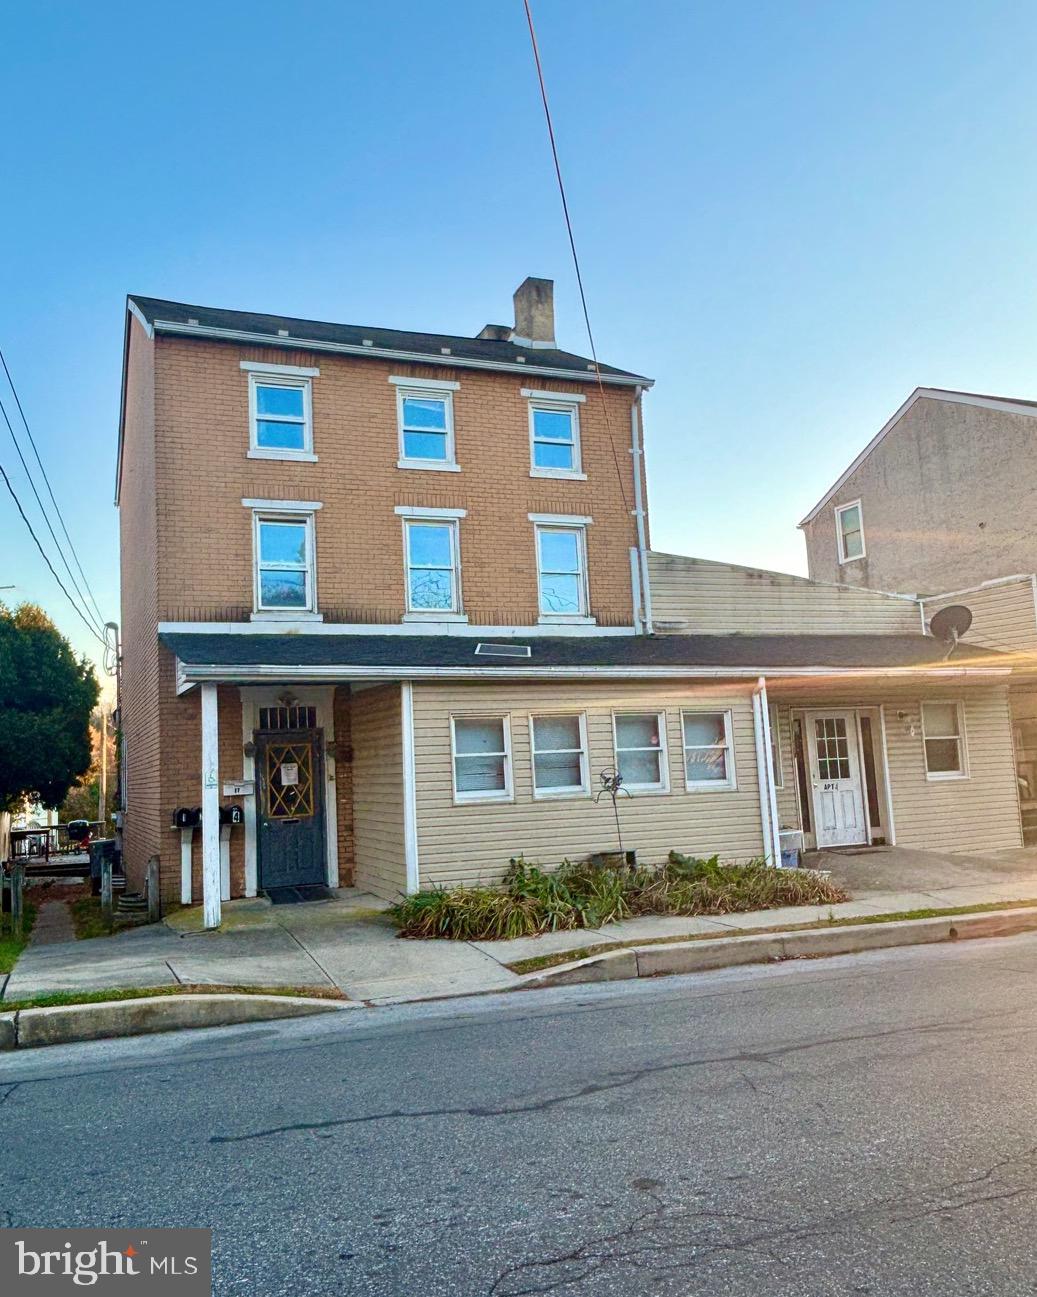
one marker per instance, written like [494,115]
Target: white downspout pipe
[636,455]
[765,776]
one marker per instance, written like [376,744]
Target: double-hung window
[283,551]
[943,736]
[481,758]
[559,747]
[280,411]
[849,530]
[640,739]
[562,570]
[425,413]
[708,755]
[431,553]
[554,434]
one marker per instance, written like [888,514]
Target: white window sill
[559,474]
[561,795]
[433,617]
[300,456]
[565,619]
[844,562]
[428,466]
[647,790]
[711,788]
[950,777]
[285,614]
[482,799]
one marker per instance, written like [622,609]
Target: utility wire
[94,623]
[572,245]
[50,490]
[18,506]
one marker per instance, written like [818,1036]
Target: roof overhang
[591,375]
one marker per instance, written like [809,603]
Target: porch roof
[327,655]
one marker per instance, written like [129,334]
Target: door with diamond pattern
[290,829]
[836,777]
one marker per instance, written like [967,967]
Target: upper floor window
[554,434]
[425,413]
[562,569]
[280,417]
[943,737]
[849,530]
[284,562]
[431,552]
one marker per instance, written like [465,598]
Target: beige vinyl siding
[978,813]
[377,736]
[472,843]
[788,802]
[696,596]
[1003,614]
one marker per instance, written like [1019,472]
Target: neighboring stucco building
[942,502]
[388,599]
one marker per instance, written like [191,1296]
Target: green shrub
[531,901]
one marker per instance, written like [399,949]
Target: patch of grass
[538,963]
[10,945]
[56,998]
[532,901]
[88,918]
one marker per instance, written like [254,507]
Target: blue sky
[789,215]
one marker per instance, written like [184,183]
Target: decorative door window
[289,780]
[833,748]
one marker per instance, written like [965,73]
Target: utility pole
[102,787]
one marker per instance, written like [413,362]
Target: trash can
[791,845]
[101,849]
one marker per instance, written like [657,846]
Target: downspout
[636,455]
[765,773]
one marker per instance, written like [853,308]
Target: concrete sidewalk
[350,944]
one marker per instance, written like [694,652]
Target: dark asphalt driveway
[865,1125]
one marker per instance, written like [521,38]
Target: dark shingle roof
[472,350]
[418,653]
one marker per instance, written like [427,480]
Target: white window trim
[583,617]
[572,790]
[264,367]
[662,749]
[507,793]
[941,776]
[420,389]
[284,506]
[448,518]
[839,511]
[276,376]
[779,767]
[555,403]
[261,515]
[730,784]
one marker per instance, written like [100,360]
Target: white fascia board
[284,506]
[427,384]
[983,585]
[199,673]
[391,353]
[138,315]
[300,626]
[295,371]
[532,394]
[560,519]
[422,511]
[920,393]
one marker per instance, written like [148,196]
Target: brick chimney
[535,313]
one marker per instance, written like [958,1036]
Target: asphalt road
[866,1125]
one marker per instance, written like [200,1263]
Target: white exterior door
[835,772]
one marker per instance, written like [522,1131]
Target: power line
[50,490]
[94,624]
[572,245]
[18,506]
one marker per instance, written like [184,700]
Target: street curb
[70,1023]
[669,958]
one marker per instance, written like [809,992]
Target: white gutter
[760,698]
[636,455]
[295,343]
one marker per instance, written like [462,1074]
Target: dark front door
[290,831]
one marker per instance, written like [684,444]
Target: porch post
[410,809]
[772,790]
[210,808]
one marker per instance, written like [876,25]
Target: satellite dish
[951,623]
